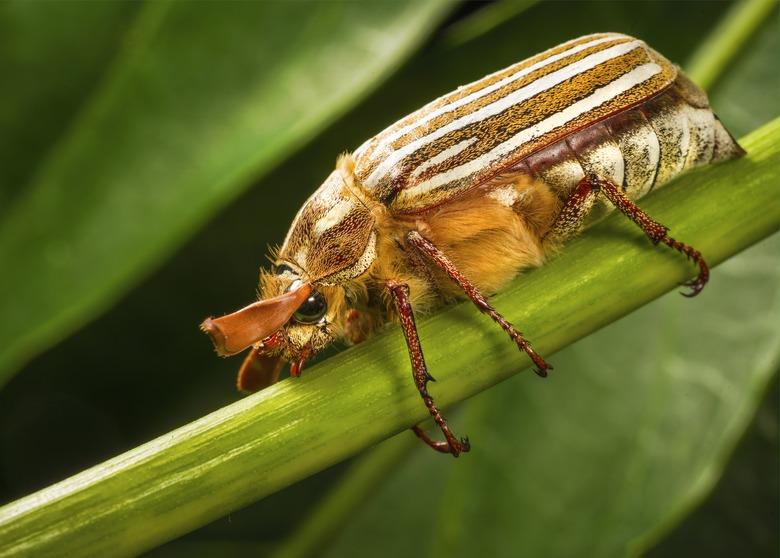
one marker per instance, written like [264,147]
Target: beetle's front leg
[400,294]
[429,250]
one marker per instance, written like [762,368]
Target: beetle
[458,197]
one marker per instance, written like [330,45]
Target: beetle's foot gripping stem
[655,231]
[429,250]
[453,446]
[697,284]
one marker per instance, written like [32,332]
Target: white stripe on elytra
[443,156]
[524,93]
[598,97]
[493,87]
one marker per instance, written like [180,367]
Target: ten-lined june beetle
[459,196]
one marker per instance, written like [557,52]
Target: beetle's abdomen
[640,148]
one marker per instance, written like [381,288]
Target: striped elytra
[460,196]
[466,137]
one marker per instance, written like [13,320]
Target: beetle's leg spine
[426,247]
[400,294]
[657,232]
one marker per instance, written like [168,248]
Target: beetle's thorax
[333,237]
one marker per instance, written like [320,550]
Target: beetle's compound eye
[312,310]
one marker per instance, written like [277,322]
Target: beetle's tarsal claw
[541,368]
[695,286]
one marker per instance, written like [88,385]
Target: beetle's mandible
[458,197]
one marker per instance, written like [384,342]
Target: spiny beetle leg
[400,294]
[427,248]
[653,229]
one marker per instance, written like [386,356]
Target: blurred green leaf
[51,55]
[263,443]
[488,17]
[204,97]
[741,516]
[727,40]
[740,95]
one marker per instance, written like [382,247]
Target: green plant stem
[727,40]
[274,438]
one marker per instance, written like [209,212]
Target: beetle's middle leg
[400,294]
[581,200]
[428,249]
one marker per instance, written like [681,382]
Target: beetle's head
[304,298]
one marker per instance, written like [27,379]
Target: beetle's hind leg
[400,294]
[581,200]
[429,250]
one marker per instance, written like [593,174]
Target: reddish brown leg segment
[653,229]
[572,216]
[400,293]
[427,248]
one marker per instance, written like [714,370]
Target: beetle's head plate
[333,237]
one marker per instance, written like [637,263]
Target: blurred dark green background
[74,122]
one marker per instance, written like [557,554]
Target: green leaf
[484,20]
[741,515]
[727,40]
[51,55]
[204,98]
[741,94]
[249,449]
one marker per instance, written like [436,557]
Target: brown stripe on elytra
[370,158]
[444,119]
[498,128]
[498,76]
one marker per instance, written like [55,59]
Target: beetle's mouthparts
[243,328]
